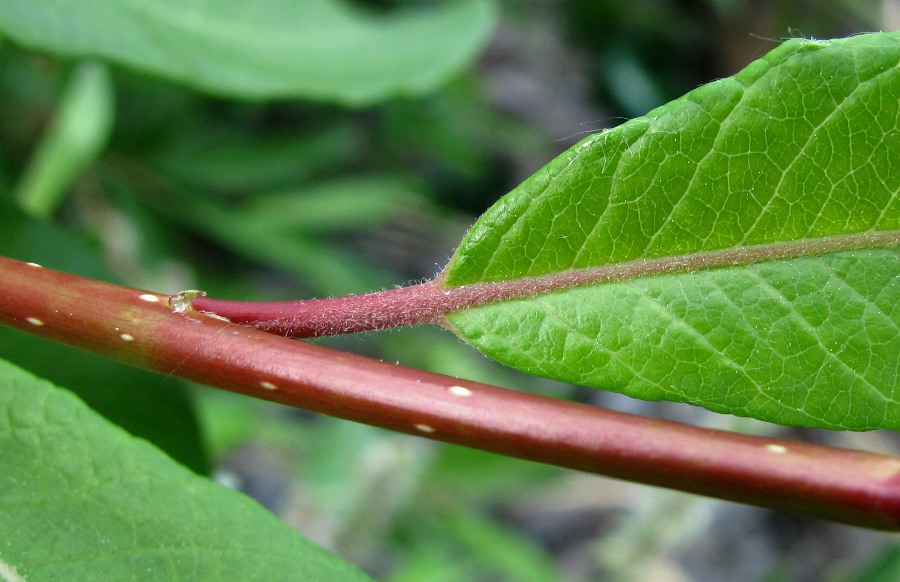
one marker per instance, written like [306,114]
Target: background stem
[137,327]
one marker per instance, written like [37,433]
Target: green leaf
[150,406]
[89,501]
[885,566]
[316,49]
[735,249]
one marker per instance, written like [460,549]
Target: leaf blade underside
[803,144]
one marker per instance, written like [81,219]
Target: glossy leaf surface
[316,49]
[89,501]
[798,153]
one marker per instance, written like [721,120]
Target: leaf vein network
[614,185]
[570,327]
[812,331]
[687,195]
[810,139]
[704,341]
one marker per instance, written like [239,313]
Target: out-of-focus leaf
[501,550]
[75,138]
[884,568]
[434,565]
[241,163]
[343,205]
[317,49]
[477,474]
[631,85]
[284,229]
[799,151]
[89,501]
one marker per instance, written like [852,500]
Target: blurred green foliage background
[118,171]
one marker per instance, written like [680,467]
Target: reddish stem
[852,487]
[429,302]
[425,303]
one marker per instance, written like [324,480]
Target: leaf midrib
[476,294]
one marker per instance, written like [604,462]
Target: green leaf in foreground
[797,155]
[80,499]
[317,49]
